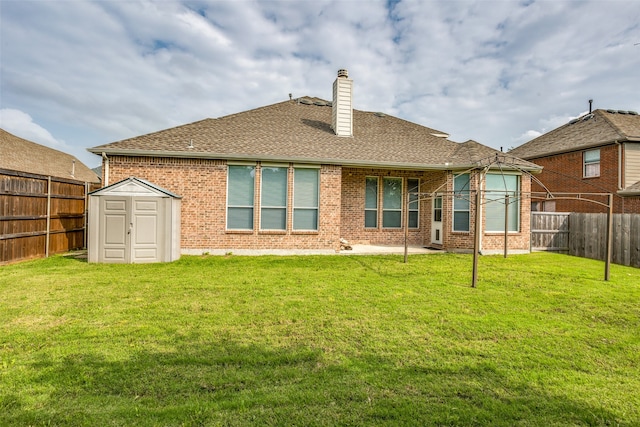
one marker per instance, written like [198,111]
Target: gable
[591,130]
[133,186]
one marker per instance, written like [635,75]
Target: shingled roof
[299,130]
[21,155]
[601,127]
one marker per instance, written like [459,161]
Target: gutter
[319,161]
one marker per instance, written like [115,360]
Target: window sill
[305,232]
[238,231]
[272,232]
[591,177]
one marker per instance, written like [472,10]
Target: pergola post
[607,260]
[476,240]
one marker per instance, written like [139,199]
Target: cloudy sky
[76,74]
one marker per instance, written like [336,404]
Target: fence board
[584,235]
[588,237]
[550,231]
[23,215]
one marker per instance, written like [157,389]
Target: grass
[320,340]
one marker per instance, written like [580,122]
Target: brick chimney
[342,107]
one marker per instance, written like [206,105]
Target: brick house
[596,153]
[304,173]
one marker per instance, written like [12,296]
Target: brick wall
[563,173]
[202,183]
[353,198]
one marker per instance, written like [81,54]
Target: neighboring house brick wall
[563,173]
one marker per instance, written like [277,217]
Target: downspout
[106,169]
[620,168]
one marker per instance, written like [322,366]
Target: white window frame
[264,207]
[377,179]
[590,163]
[494,198]
[252,206]
[316,208]
[400,210]
[461,196]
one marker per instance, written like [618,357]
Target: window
[305,199]
[591,161]
[413,186]
[273,206]
[240,193]
[437,209]
[497,186]
[392,202]
[461,202]
[371,202]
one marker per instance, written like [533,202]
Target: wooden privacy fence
[40,215]
[584,235]
[550,231]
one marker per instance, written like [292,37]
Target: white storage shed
[133,221]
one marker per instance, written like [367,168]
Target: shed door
[146,233]
[114,232]
[131,230]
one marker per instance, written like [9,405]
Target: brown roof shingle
[600,128]
[301,132]
[21,155]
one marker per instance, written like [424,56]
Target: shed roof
[134,186]
[602,127]
[299,130]
[21,155]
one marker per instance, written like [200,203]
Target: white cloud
[493,71]
[21,124]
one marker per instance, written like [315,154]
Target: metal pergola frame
[499,162]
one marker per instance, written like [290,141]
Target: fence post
[46,249]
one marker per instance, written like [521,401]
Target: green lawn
[320,340]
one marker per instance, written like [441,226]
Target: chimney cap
[343,73]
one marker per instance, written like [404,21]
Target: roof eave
[581,148]
[306,160]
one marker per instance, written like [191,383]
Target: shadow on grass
[228,383]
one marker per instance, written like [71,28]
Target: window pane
[497,186]
[392,219]
[392,197]
[461,187]
[273,219]
[592,156]
[240,218]
[413,219]
[305,188]
[592,169]
[305,219]
[371,193]
[412,186]
[371,218]
[461,221]
[274,186]
[241,184]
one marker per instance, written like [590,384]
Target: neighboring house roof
[21,155]
[299,130]
[601,127]
[632,190]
